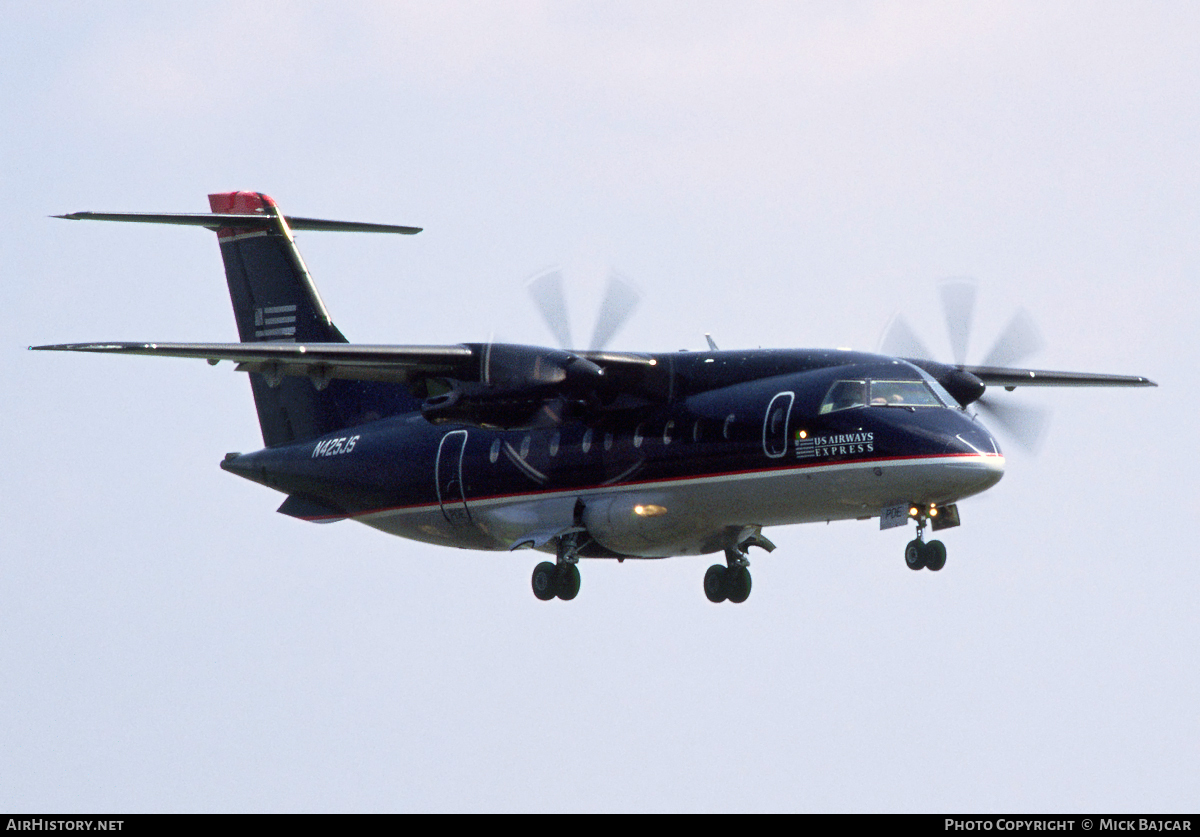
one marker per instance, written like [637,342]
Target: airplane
[591,453]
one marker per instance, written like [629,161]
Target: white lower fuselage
[691,515]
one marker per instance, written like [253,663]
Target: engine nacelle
[965,387]
[514,383]
[506,366]
[483,407]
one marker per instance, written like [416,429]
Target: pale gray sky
[776,174]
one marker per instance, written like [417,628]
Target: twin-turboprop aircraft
[593,454]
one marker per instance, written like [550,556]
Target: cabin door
[775,424]
[449,470]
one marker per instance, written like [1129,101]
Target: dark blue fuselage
[731,429]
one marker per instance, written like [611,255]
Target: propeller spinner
[1019,340]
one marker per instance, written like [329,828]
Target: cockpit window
[938,390]
[903,394]
[843,395]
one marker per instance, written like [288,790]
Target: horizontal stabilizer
[221,220]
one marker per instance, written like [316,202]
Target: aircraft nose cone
[971,437]
[979,462]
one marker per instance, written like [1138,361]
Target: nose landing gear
[919,555]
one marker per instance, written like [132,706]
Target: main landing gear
[551,580]
[732,582]
[560,579]
[919,555]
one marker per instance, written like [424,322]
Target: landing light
[648,510]
[803,434]
[913,511]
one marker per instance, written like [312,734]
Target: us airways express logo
[844,444]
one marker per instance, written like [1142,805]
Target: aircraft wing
[1009,378]
[348,361]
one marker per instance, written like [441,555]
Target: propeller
[620,300]
[547,294]
[522,385]
[1020,339]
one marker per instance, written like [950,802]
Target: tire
[914,555]
[737,584]
[714,584]
[935,555]
[567,581]
[544,586]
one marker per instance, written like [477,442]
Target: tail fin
[275,300]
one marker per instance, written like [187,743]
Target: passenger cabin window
[903,394]
[844,395]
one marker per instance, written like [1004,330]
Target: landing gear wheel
[935,555]
[737,584]
[714,584]
[567,581]
[914,555]
[544,581]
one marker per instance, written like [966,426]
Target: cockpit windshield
[903,394]
[845,395]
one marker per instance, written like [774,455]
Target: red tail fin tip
[240,203]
